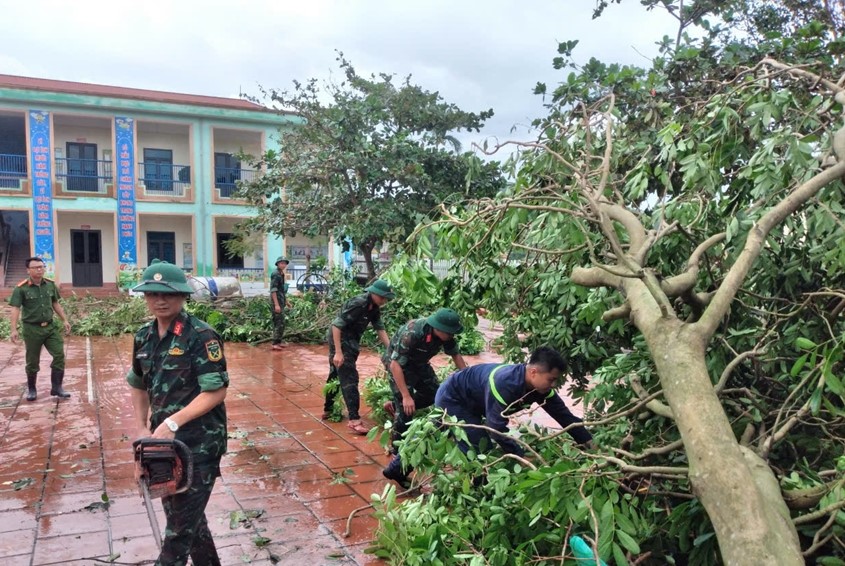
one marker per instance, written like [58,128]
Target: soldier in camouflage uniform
[412,379]
[279,301]
[38,298]
[178,378]
[344,336]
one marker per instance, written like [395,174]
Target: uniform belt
[42,324]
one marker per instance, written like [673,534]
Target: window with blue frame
[158,169]
[227,172]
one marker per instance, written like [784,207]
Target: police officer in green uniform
[179,381]
[38,298]
[278,301]
[412,379]
[344,336]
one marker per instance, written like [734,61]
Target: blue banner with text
[127,244]
[42,187]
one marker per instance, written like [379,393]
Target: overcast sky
[478,54]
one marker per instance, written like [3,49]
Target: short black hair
[548,358]
[33,258]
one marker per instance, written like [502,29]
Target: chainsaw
[163,468]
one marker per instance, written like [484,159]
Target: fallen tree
[693,212]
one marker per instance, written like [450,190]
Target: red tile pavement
[57,460]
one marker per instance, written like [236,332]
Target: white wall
[177,143]
[100,136]
[181,226]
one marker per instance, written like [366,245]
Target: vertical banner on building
[127,245]
[42,188]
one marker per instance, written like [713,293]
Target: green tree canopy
[678,230]
[370,159]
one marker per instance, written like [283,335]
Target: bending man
[344,337]
[412,379]
[486,393]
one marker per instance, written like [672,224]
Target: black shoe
[393,472]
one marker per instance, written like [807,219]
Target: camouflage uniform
[352,321]
[38,327]
[174,371]
[277,285]
[412,347]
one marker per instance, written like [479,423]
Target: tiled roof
[48,85]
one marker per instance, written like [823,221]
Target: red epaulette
[22,283]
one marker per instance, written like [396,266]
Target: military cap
[446,320]
[381,288]
[281,258]
[163,277]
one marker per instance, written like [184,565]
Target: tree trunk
[367,251]
[736,487]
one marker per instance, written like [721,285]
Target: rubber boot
[31,394]
[57,376]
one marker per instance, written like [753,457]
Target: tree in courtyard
[370,159]
[678,230]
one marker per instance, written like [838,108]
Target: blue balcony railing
[12,170]
[165,179]
[226,179]
[84,175]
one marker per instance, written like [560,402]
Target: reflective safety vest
[495,391]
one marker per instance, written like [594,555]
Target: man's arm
[408,405]
[337,361]
[557,409]
[141,405]
[460,363]
[16,313]
[201,404]
[382,336]
[57,308]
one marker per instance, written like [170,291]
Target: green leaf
[804,343]
[628,542]
[700,539]
[261,541]
[798,365]
[618,555]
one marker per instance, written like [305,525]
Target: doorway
[225,258]
[87,258]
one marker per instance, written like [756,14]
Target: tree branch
[655,406]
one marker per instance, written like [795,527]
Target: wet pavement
[59,461]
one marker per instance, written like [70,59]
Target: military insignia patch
[176,351]
[215,352]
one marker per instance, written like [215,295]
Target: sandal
[358,427]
